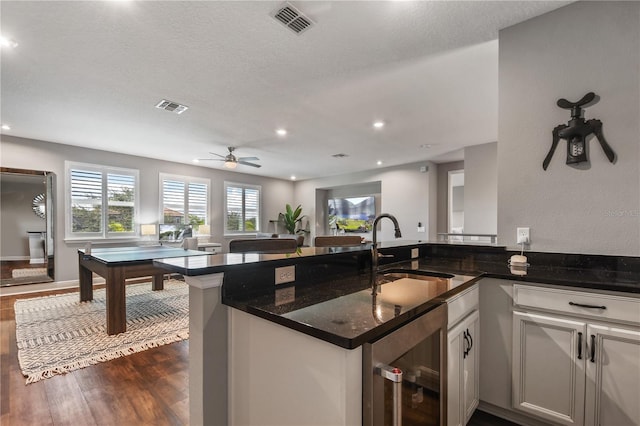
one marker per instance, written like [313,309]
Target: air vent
[339,155]
[292,18]
[172,106]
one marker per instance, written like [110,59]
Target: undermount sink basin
[392,275]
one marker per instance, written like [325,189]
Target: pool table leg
[158,282]
[116,303]
[85,276]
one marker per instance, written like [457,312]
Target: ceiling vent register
[292,18]
[172,106]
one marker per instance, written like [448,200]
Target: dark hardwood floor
[146,388]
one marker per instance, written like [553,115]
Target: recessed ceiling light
[6,127]
[8,42]
[379,163]
[293,177]
[281,132]
[195,160]
[425,145]
[378,124]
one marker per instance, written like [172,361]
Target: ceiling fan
[231,161]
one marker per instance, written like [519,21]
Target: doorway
[456,203]
[27,215]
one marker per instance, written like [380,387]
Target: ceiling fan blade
[209,159]
[248,158]
[217,154]
[248,164]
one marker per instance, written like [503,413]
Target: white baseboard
[12,290]
[13,258]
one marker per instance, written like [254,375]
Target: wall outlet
[285,274]
[415,253]
[285,295]
[522,236]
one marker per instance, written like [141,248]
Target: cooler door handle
[393,374]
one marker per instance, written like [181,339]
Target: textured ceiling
[89,73]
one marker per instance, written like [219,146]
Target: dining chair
[190,243]
[263,245]
[337,240]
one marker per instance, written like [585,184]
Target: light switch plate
[285,274]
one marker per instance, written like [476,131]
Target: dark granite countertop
[345,311]
[332,297]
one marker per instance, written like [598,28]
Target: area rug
[28,272]
[58,334]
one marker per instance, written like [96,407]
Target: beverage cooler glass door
[404,379]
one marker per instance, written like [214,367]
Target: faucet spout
[374,246]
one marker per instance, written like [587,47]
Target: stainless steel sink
[396,274]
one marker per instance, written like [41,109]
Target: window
[242,213]
[102,202]
[184,200]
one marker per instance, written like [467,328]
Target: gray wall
[31,154]
[583,47]
[481,189]
[17,216]
[443,193]
[404,193]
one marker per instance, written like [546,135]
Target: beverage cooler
[403,381]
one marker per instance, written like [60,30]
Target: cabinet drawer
[584,304]
[461,305]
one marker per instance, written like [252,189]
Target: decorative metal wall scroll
[576,132]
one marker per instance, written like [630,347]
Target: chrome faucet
[374,248]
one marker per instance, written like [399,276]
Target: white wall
[31,154]
[583,47]
[481,189]
[404,194]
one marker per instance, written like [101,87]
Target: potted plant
[291,218]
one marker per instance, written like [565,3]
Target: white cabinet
[613,375]
[548,367]
[463,357]
[576,356]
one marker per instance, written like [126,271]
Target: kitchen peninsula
[323,317]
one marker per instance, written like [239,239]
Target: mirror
[28,217]
[38,206]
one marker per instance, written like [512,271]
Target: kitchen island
[308,325]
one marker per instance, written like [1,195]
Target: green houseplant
[291,218]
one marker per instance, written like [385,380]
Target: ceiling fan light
[230,164]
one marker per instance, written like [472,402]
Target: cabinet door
[462,370]
[548,367]
[613,376]
[471,366]
[455,349]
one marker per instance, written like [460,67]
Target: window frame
[187,180]
[104,171]
[243,186]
